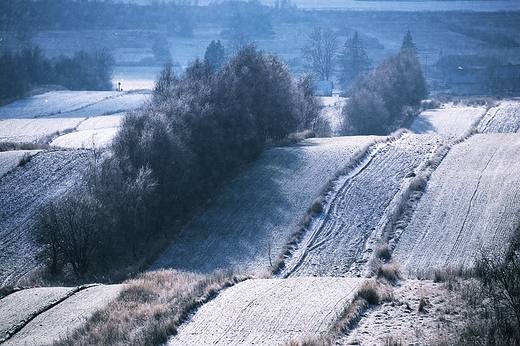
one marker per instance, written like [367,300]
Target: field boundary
[18,327]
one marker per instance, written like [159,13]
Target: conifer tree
[353,60]
[408,42]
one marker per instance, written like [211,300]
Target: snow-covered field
[471,204]
[269,312]
[358,208]
[47,176]
[49,313]
[505,118]
[248,224]
[447,121]
[83,118]
[10,159]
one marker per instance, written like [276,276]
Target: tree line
[379,102]
[197,131]
[24,70]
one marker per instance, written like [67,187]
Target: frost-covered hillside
[47,176]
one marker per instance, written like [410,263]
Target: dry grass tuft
[369,292]
[383,252]
[150,308]
[389,271]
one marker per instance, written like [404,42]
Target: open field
[505,118]
[48,314]
[67,119]
[241,231]
[470,205]
[47,176]
[447,121]
[10,159]
[358,208]
[269,312]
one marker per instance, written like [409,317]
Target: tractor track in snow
[336,241]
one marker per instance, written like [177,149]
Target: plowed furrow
[336,241]
[470,206]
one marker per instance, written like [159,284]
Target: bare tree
[69,229]
[319,52]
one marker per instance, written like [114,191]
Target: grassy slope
[22,192]
[471,204]
[247,225]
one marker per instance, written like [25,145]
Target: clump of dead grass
[383,252]
[389,271]
[150,308]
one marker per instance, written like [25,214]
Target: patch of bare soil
[422,312]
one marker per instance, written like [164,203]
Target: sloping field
[249,222]
[35,130]
[47,176]
[471,204]
[447,121]
[269,312]
[62,318]
[77,104]
[20,306]
[94,132]
[40,117]
[11,159]
[504,118]
[359,208]
[46,314]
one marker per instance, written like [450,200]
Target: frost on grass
[247,225]
[447,121]
[10,159]
[471,204]
[504,118]
[358,209]
[62,319]
[47,176]
[269,312]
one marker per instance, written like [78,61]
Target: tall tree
[215,55]
[408,42]
[353,60]
[319,51]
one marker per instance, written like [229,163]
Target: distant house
[467,81]
[505,79]
[502,79]
[323,88]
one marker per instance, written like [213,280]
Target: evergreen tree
[215,55]
[408,42]
[353,60]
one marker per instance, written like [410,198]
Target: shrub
[389,271]
[368,291]
[378,99]
[383,252]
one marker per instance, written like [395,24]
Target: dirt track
[248,224]
[357,207]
